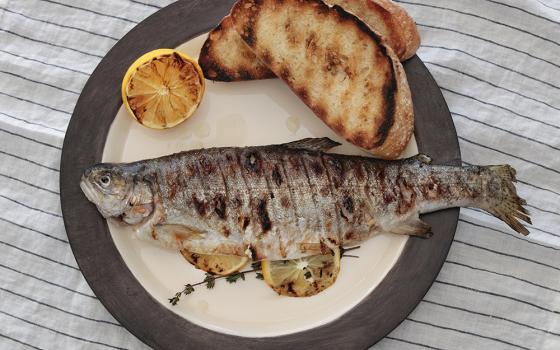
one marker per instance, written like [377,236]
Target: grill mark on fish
[184,183]
[205,165]
[253,162]
[348,203]
[224,181]
[246,188]
[312,192]
[199,205]
[235,202]
[262,214]
[371,200]
[337,219]
[246,222]
[283,200]
[316,167]
[408,193]
[383,186]
[220,206]
[202,206]
[351,199]
[192,192]
[335,165]
[321,191]
[172,182]
[276,176]
[294,203]
[253,250]
[273,211]
[239,198]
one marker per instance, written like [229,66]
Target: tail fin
[507,206]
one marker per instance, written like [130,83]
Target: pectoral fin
[179,232]
[412,226]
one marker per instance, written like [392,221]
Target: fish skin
[293,200]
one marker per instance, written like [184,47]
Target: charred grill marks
[224,180]
[276,176]
[290,192]
[246,222]
[206,165]
[246,188]
[312,190]
[262,214]
[220,206]
[253,162]
[199,205]
[407,194]
[348,204]
[336,213]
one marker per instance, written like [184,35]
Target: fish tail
[506,205]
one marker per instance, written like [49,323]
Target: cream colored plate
[239,114]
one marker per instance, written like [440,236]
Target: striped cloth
[498,65]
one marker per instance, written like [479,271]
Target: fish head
[109,187]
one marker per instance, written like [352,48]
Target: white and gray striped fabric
[498,65]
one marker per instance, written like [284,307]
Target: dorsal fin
[313,144]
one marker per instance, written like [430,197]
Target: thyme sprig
[210,281]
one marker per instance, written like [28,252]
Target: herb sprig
[210,281]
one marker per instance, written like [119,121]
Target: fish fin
[412,226]
[313,144]
[179,232]
[422,158]
[509,206]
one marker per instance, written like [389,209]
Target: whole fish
[291,200]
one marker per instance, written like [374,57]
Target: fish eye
[105,180]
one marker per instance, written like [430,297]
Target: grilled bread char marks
[340,68]
[381,16]
[226,57]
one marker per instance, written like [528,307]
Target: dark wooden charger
[125,298]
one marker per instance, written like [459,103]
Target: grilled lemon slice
[216,264]
[162,88]
[302,277]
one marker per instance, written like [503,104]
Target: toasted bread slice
[336,64]
[388,19]
[225,57]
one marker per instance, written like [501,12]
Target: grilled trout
[291,200]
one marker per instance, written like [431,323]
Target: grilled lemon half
[162,88]
[302,277]
[216,264]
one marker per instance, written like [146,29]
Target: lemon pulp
[302,277]
[216,264]
[162,88]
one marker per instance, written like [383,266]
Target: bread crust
[225,57]
[345,72]
[404,26]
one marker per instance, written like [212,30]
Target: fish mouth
[87,190]
[92,195]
